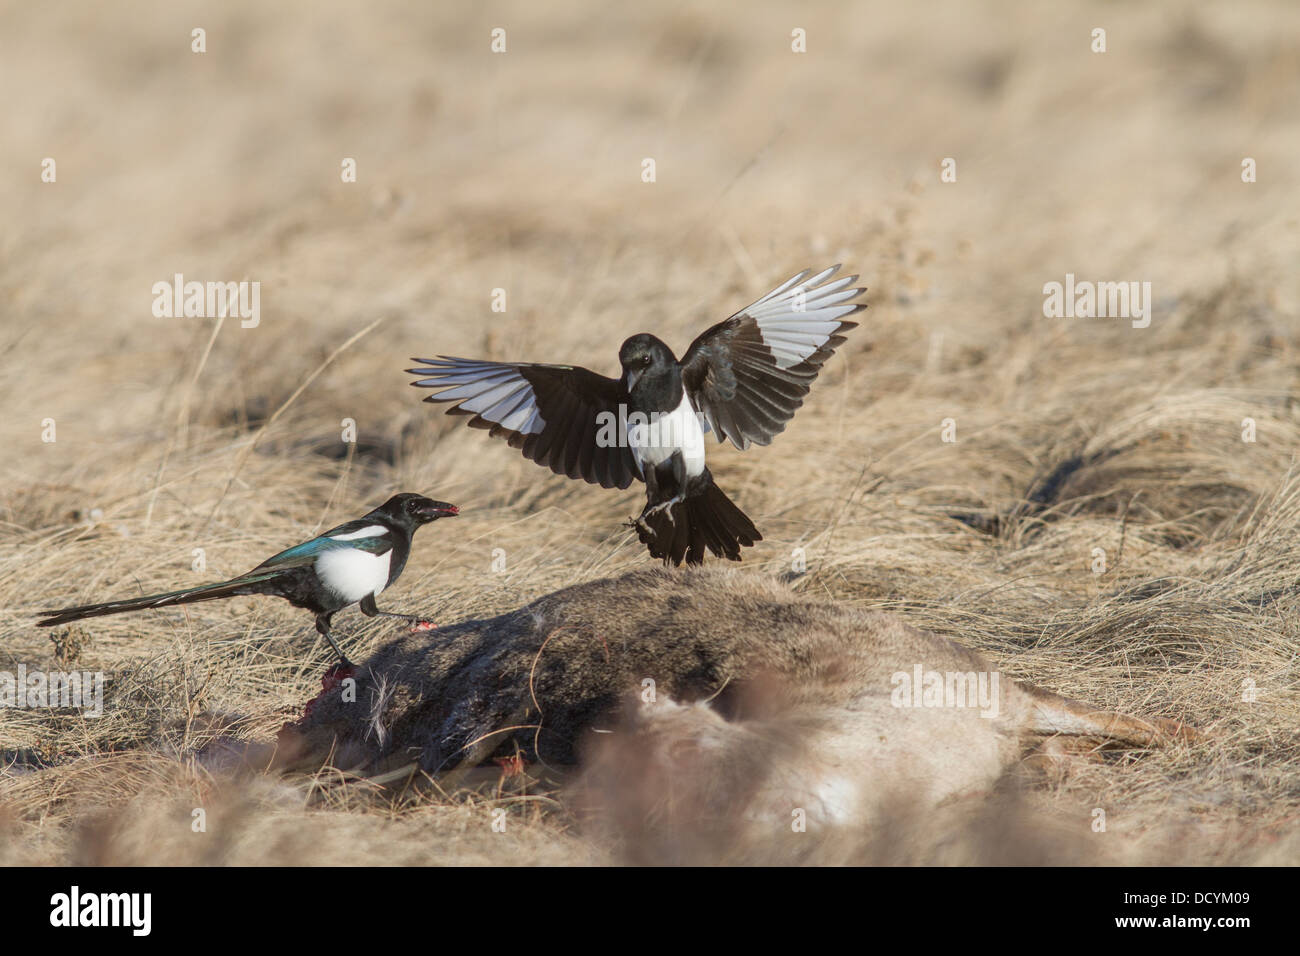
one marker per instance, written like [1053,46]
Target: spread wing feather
[561,416]
[749,374]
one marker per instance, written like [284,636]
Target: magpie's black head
[411,511]
[645,356]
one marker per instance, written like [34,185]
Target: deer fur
[766,699]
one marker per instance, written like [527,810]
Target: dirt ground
[1118,518]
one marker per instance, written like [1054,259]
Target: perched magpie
[743,379]
[346,565]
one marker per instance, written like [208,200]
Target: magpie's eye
[645,360]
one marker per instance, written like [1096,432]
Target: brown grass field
[522,171]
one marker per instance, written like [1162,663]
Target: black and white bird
[742,379]
[347,565]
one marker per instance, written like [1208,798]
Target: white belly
[654,441]
[353,574]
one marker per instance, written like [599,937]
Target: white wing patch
[369,531]
[352,573]
[492,390]
[800,315]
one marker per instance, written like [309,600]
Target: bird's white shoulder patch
[369,531]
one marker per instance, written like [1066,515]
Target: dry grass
[522,171]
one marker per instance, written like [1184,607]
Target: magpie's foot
[414,622]
[662,506]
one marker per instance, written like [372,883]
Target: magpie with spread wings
[742,379]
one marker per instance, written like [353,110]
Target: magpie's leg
[678,465]
[651,493]
[370,609]
[323,625]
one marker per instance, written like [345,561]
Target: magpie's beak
[432,510]
[633,376]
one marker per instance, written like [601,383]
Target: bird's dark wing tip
[845,323]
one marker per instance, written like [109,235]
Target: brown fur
[772,699]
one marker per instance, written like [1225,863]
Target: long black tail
[248,584]
[706,519]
